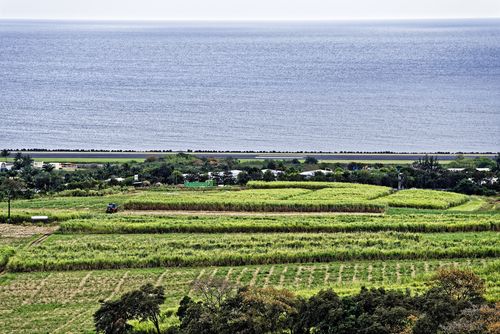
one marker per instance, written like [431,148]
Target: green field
[262,196]
[424,199]
[104,251]
[53,280]
[63,302]
[406,222]
[298,197]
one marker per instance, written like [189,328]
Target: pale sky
[247,9]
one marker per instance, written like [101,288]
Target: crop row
[255,206]
[327,224]
[277,200]
[101,251]
[21,216]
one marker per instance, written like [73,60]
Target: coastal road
[67,155]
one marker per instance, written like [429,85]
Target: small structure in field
[39,219]
[197,184]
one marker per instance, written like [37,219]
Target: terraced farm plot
[366,192]
[13,237]
[101,251]
[280,200]
[318,197]
[313,185]
[54,285]
[450,222]
[424,199]
[63,302]
[69,203]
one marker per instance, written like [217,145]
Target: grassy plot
[24,215]
[414,198]
[89,203]
[101,251]
[338,197]
[457,222]
[63,302]
[424,199]
[277,200]
[313,185]
[475,203]
[366,192]
[5,253]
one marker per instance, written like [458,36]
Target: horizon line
[250,19]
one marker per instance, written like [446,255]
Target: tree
[111,318]
[5,153]
[213,292]
[258,310]
[268,176]
[249,310]
[371,311]
[48,167]
[452,291]
[469,321]
[497,161]
[428,163]
[144,304]
[204,317]
[11,188]
[322,311]
[460,285]
[311,160]
[22,161]
[242,178]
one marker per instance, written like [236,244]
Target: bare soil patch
[23,231]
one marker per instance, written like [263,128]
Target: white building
[275,172]
[456,170]
[234,173]
[312,173]
[4,166]
[57,165]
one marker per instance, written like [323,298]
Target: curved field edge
[424,199]
[358,198]
[363,198]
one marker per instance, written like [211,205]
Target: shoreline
[321,156]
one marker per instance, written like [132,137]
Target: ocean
[416,86]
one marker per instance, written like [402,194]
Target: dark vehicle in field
[112,208]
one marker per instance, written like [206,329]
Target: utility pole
[400,178]
[8,206]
